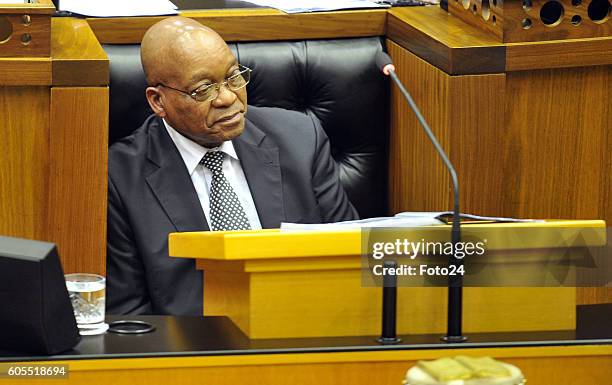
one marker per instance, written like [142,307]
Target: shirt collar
[192,152]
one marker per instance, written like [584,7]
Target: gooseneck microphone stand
[455,283]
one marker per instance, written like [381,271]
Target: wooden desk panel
[78,174]
[54,152]
[558,54]
[532,144]
[458,48]
[25,72]
[566,365]
[555,143]
[463,111]
[78,58]
[445,41]
[29,28]
[24,161]
[253,25]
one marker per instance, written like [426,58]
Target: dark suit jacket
[286,159]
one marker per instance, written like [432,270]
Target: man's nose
[226,97]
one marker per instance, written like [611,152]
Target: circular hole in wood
[526,23]
[576,20]
[551,13]
[466,4]
[576,3]
[26,38]
[486,10]
[6,29]
[26,20]
[474,9]
[494,20]
[527,5]
[599,10]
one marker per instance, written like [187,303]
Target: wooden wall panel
[463,110]
[558,126]
[24,161]
[476,115]
[532,144]
[418,181]
[78,176]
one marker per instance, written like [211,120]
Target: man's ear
[155,101]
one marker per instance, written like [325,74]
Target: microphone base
[454,339]
[388,340]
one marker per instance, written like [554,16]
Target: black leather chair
[334,80]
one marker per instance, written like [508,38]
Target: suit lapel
[171,183]
[261,166]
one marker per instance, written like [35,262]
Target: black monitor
[36,315]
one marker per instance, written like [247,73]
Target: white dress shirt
[192,153]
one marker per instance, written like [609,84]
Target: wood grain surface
[558,148]
[530,144]
[40,7]
[445,41]
[464,113]
[24,161]
[38,30]
[25,71]
[253,25]
[515,13]
[471,12]
[506,19]
[78,172]
[459,48]
[555,149]
[78,58]
[559,53]
[560,365]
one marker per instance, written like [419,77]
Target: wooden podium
[275,284]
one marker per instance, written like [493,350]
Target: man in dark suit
[202,162]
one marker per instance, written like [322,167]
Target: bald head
[187,67]
[170,44]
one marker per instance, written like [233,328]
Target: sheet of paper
[365,223]
[13,1]
[404,219]
[118,8]
[299,6]
[412,214]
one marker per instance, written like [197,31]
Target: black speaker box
[36,315]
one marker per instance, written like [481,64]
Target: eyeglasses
[209,92]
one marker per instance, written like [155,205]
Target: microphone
[384,62]
[455,283]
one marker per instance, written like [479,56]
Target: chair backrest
[335,81]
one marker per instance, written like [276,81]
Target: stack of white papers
[117,8]
[299,6]
[396,221]
[405,219]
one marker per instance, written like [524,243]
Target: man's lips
[229,118]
